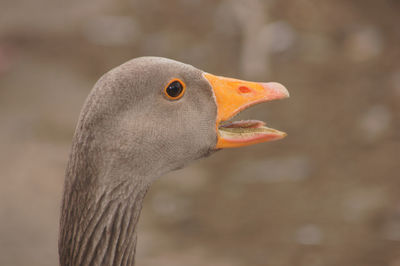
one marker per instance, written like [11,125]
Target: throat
[98,225]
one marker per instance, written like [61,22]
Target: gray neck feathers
[98,220]
[101,205]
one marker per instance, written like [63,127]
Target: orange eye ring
[175,89]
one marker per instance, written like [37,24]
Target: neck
[99,218]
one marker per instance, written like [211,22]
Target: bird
[142,119]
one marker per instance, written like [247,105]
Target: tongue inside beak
[233,96]
[243,133]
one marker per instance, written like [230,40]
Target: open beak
[233,96]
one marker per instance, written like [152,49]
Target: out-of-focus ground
[328,194]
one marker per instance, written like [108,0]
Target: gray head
[132,119]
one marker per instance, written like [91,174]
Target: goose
[142,119]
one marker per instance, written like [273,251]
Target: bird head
[158,114]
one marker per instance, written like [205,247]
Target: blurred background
[328,194]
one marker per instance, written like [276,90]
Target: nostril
[244,89]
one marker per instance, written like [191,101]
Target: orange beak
[233,96]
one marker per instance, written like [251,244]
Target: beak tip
[278,89]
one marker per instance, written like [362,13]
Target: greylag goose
[141,120]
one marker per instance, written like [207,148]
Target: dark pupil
[174,89]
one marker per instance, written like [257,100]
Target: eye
[175,89]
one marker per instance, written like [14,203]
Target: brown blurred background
[328,194]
